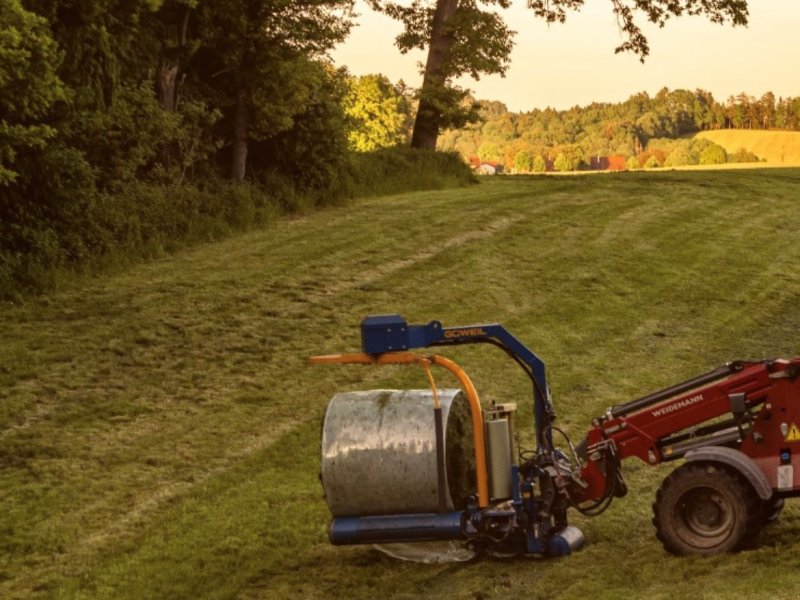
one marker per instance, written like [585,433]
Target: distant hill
[777,147]
[632,128]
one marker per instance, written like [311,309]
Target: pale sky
[574,63]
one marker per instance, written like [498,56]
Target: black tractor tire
[706,508]
[772,509]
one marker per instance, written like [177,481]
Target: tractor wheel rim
[706,513]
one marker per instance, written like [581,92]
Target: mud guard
[742,463]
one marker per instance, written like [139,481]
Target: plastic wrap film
[379,452]
[428,552]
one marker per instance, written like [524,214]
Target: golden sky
[574,63]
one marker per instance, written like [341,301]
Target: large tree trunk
[239,149]
[169,83]
[426,125]
[168,87]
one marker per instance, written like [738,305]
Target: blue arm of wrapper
[391,333]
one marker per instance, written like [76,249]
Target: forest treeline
[132,127]
[644,130]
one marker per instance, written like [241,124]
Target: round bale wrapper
[379,452]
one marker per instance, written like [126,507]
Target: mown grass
[159,428]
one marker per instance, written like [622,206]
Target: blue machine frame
[392,333]
[523,525]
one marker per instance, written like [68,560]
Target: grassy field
[159,430]
[778,148]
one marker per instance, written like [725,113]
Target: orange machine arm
[407,358]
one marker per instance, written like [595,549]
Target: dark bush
[51,229]
[397,170]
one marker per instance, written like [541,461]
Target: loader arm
[743,405]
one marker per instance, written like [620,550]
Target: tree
[704,112]
[311,153]
[742,112]
[794,112]
[108,107]
[658,124]
[490,151]
[651,163]
[685,152]
[523,163]
[378,113]
[562,163]
[653,125]
[249,50]
[29,85]
[104,43]
[713,155]
[172,26]
[742,156]
[109,52]
[468,37]
[768,114]
[461,36]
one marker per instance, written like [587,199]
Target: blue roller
[566,541]
[390,529]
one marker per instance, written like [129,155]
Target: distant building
[490,167]
[598,163]
[617,162]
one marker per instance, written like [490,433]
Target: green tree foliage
[742,156]
[471,37]
[523,162]
[109,49]
[539,164]
[598,129]
[378,111]
[248,59]
[713,155]
[118,119]
[680,155]
[45,188]
[312,152]
[562,163]
[787,113]
[29,86]
[461,36]
[652,162]
[490,151]
[122,123]
[103,44]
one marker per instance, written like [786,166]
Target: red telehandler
[736,429]
[423,465]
